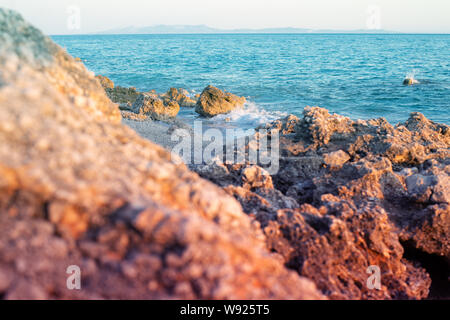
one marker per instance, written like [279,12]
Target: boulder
[79,188]
[213,102]
[153,106]
[179,96]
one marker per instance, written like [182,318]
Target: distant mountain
[203,29]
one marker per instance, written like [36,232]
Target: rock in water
[410,81]
[213,102]
[157,109]
[179,96]
[145,227]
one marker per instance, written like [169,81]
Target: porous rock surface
[79,188]
[214,101]
[350,195]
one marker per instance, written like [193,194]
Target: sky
[89,16]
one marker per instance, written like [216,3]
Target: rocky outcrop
[179,96]
[350,195]
[156,108]
[213,102]
[78,188]
[125,97]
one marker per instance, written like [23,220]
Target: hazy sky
[95,15]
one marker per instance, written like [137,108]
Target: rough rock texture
[353,194]
[79,188]
[155,108]
[213,101]
[105,82]
[179,96]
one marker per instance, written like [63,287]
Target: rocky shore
[79,187]
[349,195]
[141,106]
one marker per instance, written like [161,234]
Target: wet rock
[155,108]
[78,188]
[179,96]
[213,102]
[410,82]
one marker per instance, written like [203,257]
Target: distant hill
[203,29]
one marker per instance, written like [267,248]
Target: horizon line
[259,33]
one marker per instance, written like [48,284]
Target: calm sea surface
[359,76]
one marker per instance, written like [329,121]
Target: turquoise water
[359,76]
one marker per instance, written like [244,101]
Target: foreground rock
[353,194]
[213,102]
[79,188]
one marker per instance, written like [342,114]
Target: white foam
[412,76]
[251,116]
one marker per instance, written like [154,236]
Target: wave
[250,117]
[410,78]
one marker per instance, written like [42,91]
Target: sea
[357,75]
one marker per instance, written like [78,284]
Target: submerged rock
[78,188]
[213,102]
[153,106]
